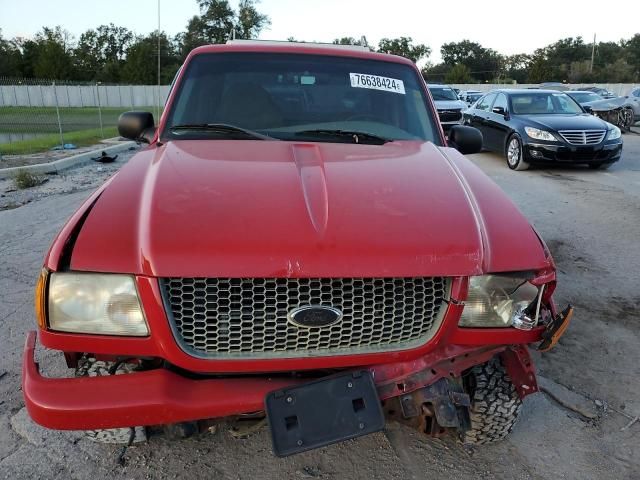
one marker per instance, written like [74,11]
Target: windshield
[474,96]
[584,97]
[543,103]
[294,96]
[443,93]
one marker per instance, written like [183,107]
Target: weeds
[23,179]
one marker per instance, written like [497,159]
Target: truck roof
[330,49]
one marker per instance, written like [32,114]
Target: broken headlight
[501,301]
[104,304]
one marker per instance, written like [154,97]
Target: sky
[516,26]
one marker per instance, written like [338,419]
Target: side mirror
[587,109]
[499,110]
[465,139]
[137,126]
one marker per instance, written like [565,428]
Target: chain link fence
[38,115]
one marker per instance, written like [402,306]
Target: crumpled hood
[450,104]
[262,208]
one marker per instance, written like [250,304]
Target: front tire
[495,403]
[515,153]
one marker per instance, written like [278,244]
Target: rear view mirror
[137,126]
[465,139]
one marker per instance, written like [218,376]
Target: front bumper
[161,396]
[539,152]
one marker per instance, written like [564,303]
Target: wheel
[626,119]
[495,403]
[90,367]
[514,153]
[600,166]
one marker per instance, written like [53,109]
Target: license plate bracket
[323,412]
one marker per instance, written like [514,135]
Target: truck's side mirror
[465,139]
[137,126]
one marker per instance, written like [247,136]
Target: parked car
[297,241]
[449,106]
[470,96]
[603,92]
[584,97]
[554,86]
[543,126]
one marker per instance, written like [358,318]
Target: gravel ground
[590,220]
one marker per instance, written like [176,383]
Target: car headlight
[614,133]
[104,304]
[538,134]
[501,301]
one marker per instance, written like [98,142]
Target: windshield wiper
[355,136]
[223,128]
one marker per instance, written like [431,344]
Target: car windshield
[443,93]
[474,96]
[543,103]
[299,97]
[583,97]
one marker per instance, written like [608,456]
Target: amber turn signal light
[41,299]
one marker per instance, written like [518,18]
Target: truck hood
[271,209]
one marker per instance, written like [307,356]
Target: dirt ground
[591,221]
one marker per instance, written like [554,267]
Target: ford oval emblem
[314,316]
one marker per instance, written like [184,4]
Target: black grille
[234,317]
[450,115]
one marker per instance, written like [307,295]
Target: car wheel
[495,403]
[90,367]
[514,153]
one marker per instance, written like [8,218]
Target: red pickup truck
[298,242]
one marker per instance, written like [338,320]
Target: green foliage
[141,67]
[351,41]
[24,179]
[459,73]
[483,63]
[404,47]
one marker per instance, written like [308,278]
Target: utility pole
[158,109]
[593,52]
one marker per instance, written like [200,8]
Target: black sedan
[543,127]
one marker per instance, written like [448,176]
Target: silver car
[449,106]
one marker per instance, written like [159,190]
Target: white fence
[50,95]
[617,88]
[82,95]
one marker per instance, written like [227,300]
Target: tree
[100,53]
[484,63]
[140,66]
[49,54]
[249,22]
[460,73]
[404,47]
[10,58]
[351,41]
[217,22]
[517,66]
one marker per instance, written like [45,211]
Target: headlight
[614,133]
[540,134]
[105,304]
[500,301]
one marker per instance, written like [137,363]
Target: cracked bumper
[161,396]
[152,397]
